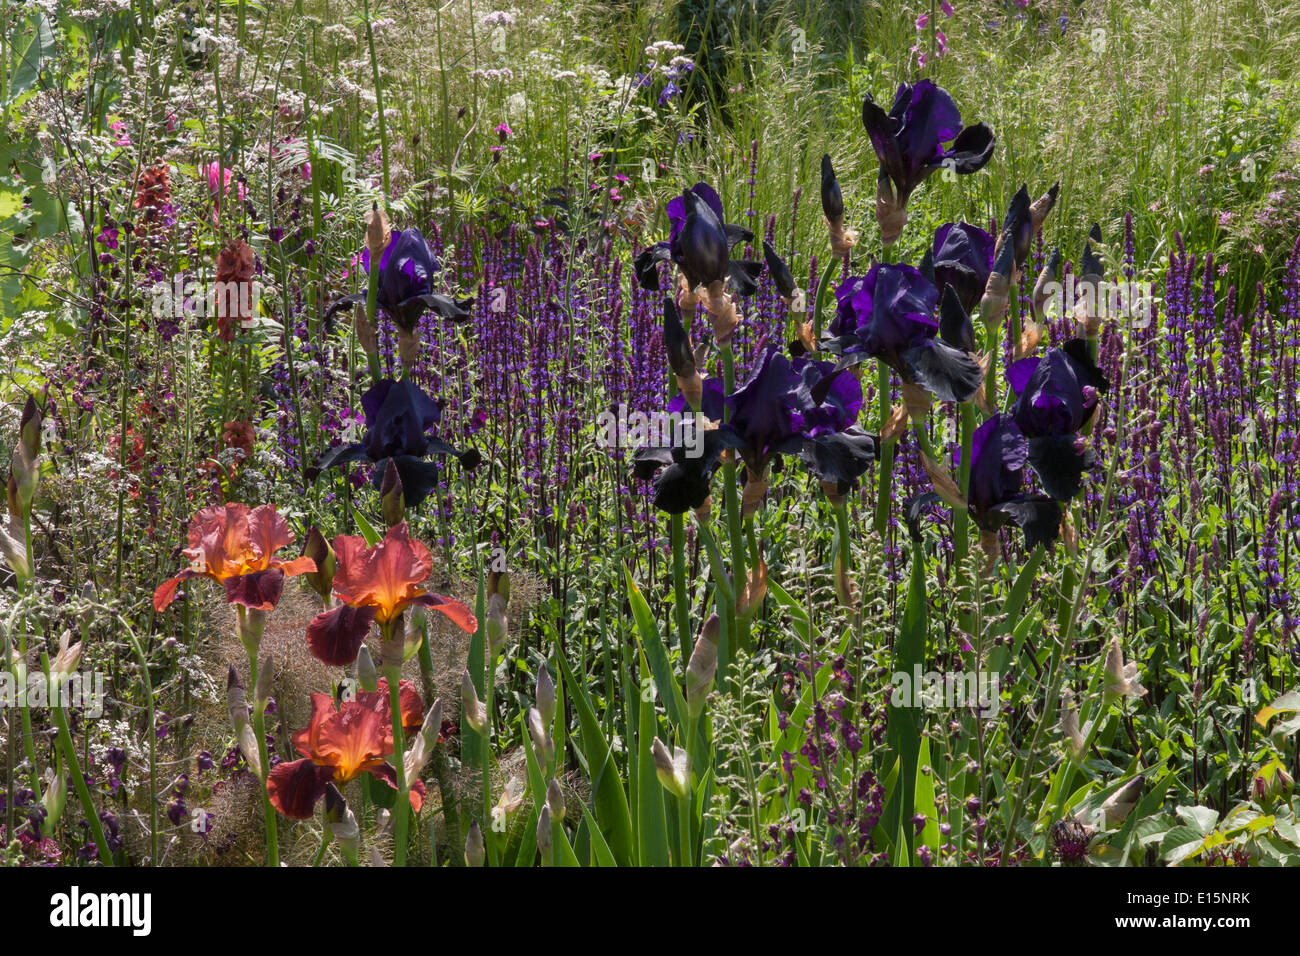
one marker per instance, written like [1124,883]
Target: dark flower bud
[781,275]
[832,199]
[317,548]
[391,502]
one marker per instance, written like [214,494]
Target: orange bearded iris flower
[235,546]
[377,584]
[340,744]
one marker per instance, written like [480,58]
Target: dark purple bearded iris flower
[1058,395]
[909,142]
[700,243]
[801,407]
[961,258]
[999,454]
[834,448]
[406,270]
[399,418]
[797,407]
[889,314]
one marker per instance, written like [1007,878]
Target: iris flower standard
[407,268]
[700,243]
[890,314]
[235,546]
[1059,394]
[375,584]
[340,744]
[399,418]
[999,453]
[909,142]
[961,257]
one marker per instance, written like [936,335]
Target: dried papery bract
[1115,809]
[1047,277]
[475,711]
[544,838]
[365,332]
[1031,334]
[408,348]
[498,623]
[687,301]
[265,678]
[421,746]
[992,549]
[681,355]
[702,667]
[66,659]
[917,402]
[994,303]
[1041,206]
[896,424]
[846,592]
[842,240]
[890,213]
[1070,724]
[342,824]
[722,312]
[378,233]
[236,700]
[754,492]
[392,503]
[750,598]
[1121,678]
[943,482]
[367,672]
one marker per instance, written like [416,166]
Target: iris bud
[475,849]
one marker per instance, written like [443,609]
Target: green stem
[402,806]
[885,477]
[69,751]
[251,644]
